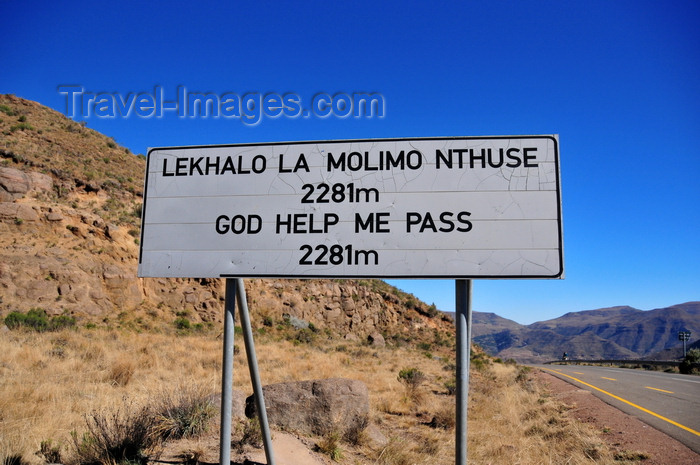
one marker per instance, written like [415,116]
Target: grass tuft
[330,446]
[632,456]
[122,372]
[184,413]
[13,459]
[126,435]
[50,453]
[252,435]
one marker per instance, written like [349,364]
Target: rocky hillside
[609,333]
[70,203]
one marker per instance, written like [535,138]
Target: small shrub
[21,127]
[124,436]
[355,433]
[451,387]
[37,320]
[631,456]
[7,110]
[182,324]
[433,311]
[12,459]
[121,372]
[14,320]
[252,435]
[444,418]
[50,453]
[397,452]
[185,413]
[479,361]
[411,377]
[686,366]
[424,346]
[330,445]
[304,336]
[59,322]
[137,211]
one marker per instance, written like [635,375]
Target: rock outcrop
[15,183]
[70,205]
[318,407]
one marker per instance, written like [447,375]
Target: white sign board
[461,207]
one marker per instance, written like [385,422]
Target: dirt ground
[626,434]
[288,449]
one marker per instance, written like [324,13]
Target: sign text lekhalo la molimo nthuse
[458,207]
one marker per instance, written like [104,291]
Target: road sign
[458,207]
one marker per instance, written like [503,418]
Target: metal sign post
[463,323]
[227,374]
[235,292]
[254,372]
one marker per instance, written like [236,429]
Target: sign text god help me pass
[459,207]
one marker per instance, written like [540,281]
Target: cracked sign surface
[458,207]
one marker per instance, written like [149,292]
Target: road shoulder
[624,433]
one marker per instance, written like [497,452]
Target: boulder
[15,183]
[54,216]
[376,340]
[238,404]
[17,212]
[297,323]
[122,286]
[39,182]
[316,407]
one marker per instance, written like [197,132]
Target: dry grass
[45,394]
[512,420]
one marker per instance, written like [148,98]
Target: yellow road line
[610,379]
[577,373]
[683,427]
[660,390]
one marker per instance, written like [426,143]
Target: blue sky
[617,80]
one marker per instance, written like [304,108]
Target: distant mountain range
[608,333]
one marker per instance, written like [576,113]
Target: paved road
[668,402]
